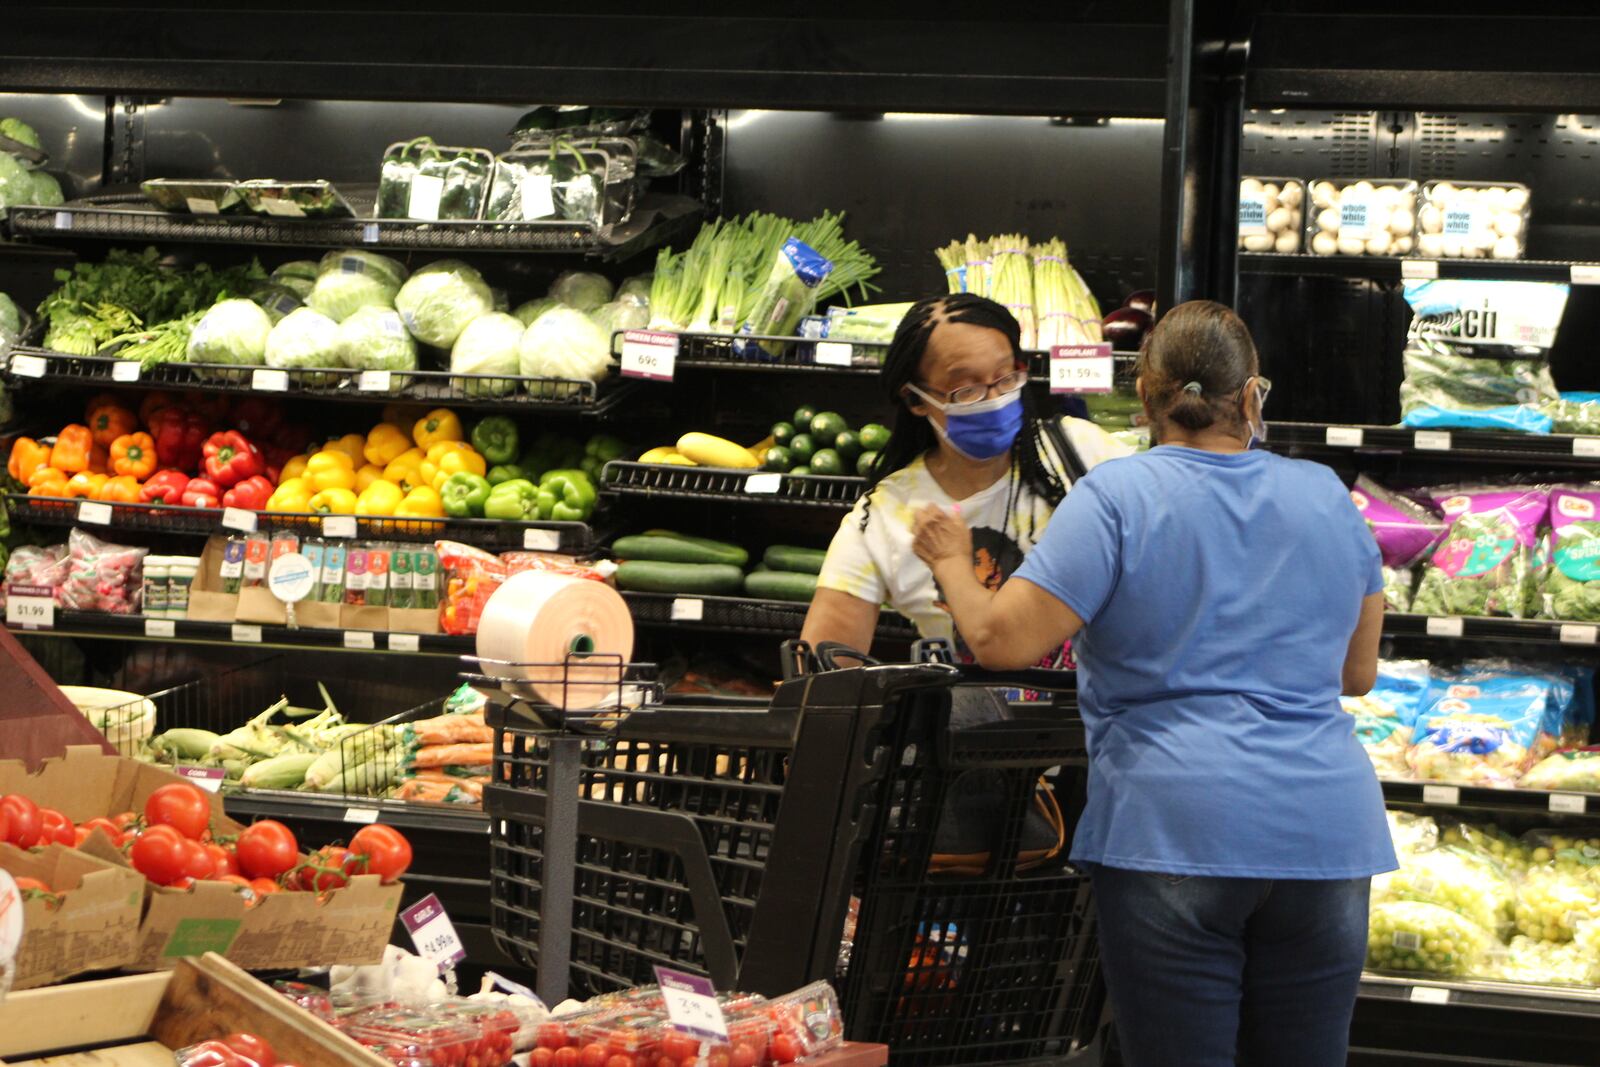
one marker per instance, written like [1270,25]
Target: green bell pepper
[495,438]
[547,503]
[517,500]
[605,448]
[464,495]
[591,465]
[574,493]
[506,472]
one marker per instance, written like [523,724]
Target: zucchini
[653,576]
[795,560]
[781,585]
[671,548]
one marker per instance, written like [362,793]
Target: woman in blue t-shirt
[1220,599]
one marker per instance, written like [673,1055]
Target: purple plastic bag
[1405,530]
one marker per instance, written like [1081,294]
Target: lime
[874,437]
[864,464]
[828,425]
[800,470]
[777,459]
[848,445]
[782,432]
[803,416]
[826,461]
[801,447]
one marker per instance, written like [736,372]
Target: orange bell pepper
[111,421]
[100,460]
[123,489]
[135,454]
[47,481]
[71,452]
[27,456]
[85,485]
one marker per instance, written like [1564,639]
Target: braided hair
[911,436]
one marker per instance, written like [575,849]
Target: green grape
[1552,901]
[1490,841]
[1532,961]
[1450,878]
[1413,937]
[1412,833]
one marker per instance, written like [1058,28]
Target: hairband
[1194,387]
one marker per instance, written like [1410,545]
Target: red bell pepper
[230,458]
[293,437]
[201,493]
[152,403]
[164,487]
[250,494]
[257,416]
[213,406]
[180,437]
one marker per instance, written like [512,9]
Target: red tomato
[680,1046]
[742,1056]
[223,860]
[80,834]
[160,855]
[718,1059]
[784,1049]
[256,1048]
[594,1056]
[542,1057]
[380,850]
[197,862]
[566,1057]
[25,884]
[24,817]
[181,806]
[264,886]
[211,1054]
[621,1059]
[184,882]
[552,1036]
[266,849]
[664,1061]
[5,825]
[124,820]
[54,826]
[328,868]
[105,826]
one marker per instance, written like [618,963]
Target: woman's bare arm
[836,616]
[1361,659]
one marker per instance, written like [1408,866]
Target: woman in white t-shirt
[967,435]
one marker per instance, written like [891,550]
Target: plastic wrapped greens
[488,346]
[305,339]
[564,343]
[637,287]
[298,275]
[621,315]
[787,295]
[529,310]
[431,182]
[1487,730]
[1465,883]
[1410,936]
[1486,565]
[1577,413]
[376,339]
[579,180]
[1386,716]
[581,289]
[276,300]
[352,279]
[1405,530]
[1572,581]
[439,300]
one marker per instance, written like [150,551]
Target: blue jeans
[1213,972]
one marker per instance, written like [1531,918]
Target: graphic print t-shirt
[878,565]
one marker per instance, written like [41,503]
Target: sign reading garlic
[1472,220]
[1270,214]
[1363,218]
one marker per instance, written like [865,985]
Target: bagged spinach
[1488,562]
[1572,581]
[1405,530]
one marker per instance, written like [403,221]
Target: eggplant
[1125,328]
[1143,299]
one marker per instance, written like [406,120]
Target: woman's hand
[938,536]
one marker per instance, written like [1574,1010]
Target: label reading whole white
[1355,216]
[1465,221]
[1252,214]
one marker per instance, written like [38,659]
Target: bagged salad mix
[1574,413]
[1386,716]
[1572,579]
[1486,729]
[1406,532]
[1488,562]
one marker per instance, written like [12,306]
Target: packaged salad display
[1487,564]
[1386,717]
[1486,730]
[1406,532]
[1572,578]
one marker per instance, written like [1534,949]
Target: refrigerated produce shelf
[1577,635]
[1396,268]
[726,485]
[96,624]
[1480,798]
[1502,996]
[1492,446]
[740,614]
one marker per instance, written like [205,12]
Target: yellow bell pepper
[352,445]
[440,424]
[329,470]
[367,475]
[334,502]
[293,469]
[384,443]
[379,498]
[405,470]
[292,494]
[432,462]
[420,503]
[457,462]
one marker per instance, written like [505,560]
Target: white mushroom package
[1472,220]
[1271,214]
[1369,217]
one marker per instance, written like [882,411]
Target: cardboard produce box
[131,1022]
[93,926]
[282,930]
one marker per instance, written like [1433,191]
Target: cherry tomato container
[635,1036]
[417,1037]
[308,998]
[806,1023]
[497,1027]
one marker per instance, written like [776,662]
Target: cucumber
[795,560]
[780,585]
[650,576]
[671,548]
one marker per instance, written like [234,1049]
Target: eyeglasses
[972,394]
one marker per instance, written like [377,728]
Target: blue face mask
[981,430]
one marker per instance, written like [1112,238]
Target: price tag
[1082,369]
[433,933]
[1427,994]
[538,197]
[207,778]
[1579,633]
[241,519]
[369,233]
[28,366]
[649,354]
[246,634]
[426,190]
[541,540]
[160,628]
[1568,803]
[834,353]
[375,381]
[94,513]
[63,220]
[1432,440]
[125,370]
[359,639]
[692,1004]
[265,380]
[1252,214]
[404,643]
[1588,447]
[1344,436]
[1585,274]
[1445,795]
[365,816]
[763,483]
[339,526]
[1419,268]
[199,205]
[32,607]
[281,208]
[10,920]
[688,609]
[1444,627]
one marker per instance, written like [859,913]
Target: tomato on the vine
[54,826]
[197,861]
[25,828]
[105,826]
[541,1057]
[380,850]
[181,806]
[595,1056]
[327,868]
[266,849]
[160,854]
[263,886]
[125,819]
[223,861]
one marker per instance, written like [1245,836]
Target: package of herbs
[294,200]
[194,196]
[1474,347]
[559,178]
[431,182]
[788,295]
[1487,564]
[1387,714]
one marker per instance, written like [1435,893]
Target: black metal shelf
[1523,631]
[573,538]
[1499,996]
[1394,268]
[545,395]
[247,805]
[1480,798]
[724,485]
[1496,446]
[740,615]
[138,628]
[658,219]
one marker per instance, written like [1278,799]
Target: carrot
[449,729]
[443,755]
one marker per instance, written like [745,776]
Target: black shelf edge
[247,804]
[1528,631]
[726,485]
[534,395]
[1570,450]
[1501,996]
[659,219]
[1480,798]
[190,631]
[739,614]
[571,538]
[1395,268]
